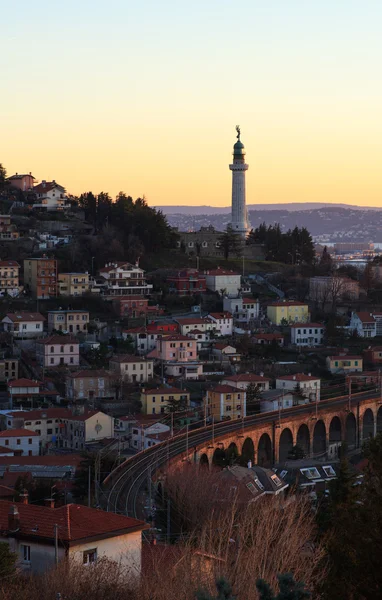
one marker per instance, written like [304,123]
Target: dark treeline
[292,247]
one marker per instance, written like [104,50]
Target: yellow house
[73,284]
[291,311]
[226,402]
[155,401]
[344,364]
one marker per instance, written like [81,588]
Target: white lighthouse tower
[240,222]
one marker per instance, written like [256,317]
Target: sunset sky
[144,97]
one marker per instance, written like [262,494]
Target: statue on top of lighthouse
[238,167]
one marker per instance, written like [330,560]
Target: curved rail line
[129,478]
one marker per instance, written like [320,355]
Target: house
[143,431]
[307,474]
[8,230]
[266,339]
[135,307]
[89,385]
[24,325]
[201,337]
[144,341]
[288,311]
[73,284]
[332,289]
[243,380]
[50,196]
[29,391]
[307,334]
[187,324]
[179,356]
[246,485]
[364,324]
[223,281]
[9,277]
[58,350]
[81,427]
[226,351]
[24,441]
[373,354]
[157,400]
[344,364]
[243,310]
[187,282]
[226,402]
[123,279]
[307,385]
[85,535]
[45,422]
[69,321]
[222,323]
[132,368]
[9,369]
[22,181]
[40,277]
[272,400]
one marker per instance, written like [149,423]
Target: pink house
[180,356]
[58,350]
[22,181]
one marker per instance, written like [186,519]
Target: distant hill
[221,210]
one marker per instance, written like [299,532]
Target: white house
[50,196]
[307,334]
[45,422]
[226,351]
[243,310]
[85,535]
[123,279]
[58,350]
[24,325]
[144,341]
[222,323]
[308,385]
[223,281]
[23,440]
[143,431]
[364,324]
[243,380]
[132,368]
[191,323]
[272,400]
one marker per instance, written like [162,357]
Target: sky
[143,97]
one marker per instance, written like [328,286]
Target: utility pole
[56,544]
[89,485]
[187,441]
[349,392]
[168,521]
[172,424]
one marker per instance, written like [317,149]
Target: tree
[224,591]
[230,243]
[289,589]
[3,175]
[7,561]
[296,453]
[326,263]
[253,395]
[174,405]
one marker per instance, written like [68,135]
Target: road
[127,482]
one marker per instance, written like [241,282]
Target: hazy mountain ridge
[290,207]
[335,221]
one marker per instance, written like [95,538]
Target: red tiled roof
[288,303]
[115,265]
[295,325]
[191,321]
[365,317]
[24,383]
[134,330]
[249,301]
[75,522]
[222,345]
[46,186]
[219,271]
[251,377]
[345,357]
[268,336]
[298,377]
[225,389]
[17,433]
[34,415]
[48,460]
[25,316]
[164,391]
[220,315]
[10,477]
[176,338]
[9,263]
[89,373]
[127,358]
[58,339]
[6,491]
[5,450]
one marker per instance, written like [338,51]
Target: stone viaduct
[318,431]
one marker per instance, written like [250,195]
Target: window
[329,471]
[228,408]
[7,442]
[276,480]
[24,326]
[251,488]
[18,442]
[49,421]
[356,363]
[52,361]
[89,556]
[29,440]
[71,349]
[310,473]
[61,348]
[37,325]
[38,431]
[336,363]
[52,348]
[25,553]
[258,483]
[49,431]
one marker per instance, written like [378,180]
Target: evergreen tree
[7,561]
[326,264]
[230,243]
[289,589]
[3,175]
[253,397]
[224,591]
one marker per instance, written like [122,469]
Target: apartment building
[156,401]
[22,181]
[22,441]
[243,310]
[308,385]
[50,196]
[40,277]
[243,380]
[226,402]
[29,392]
[143,339]
[9,369]
[364,324]
[70,321]
[58,350]
[24,325]
[9,277]
[344,364]
[187,282]
[8,230]
[223,281]
[307,334]
[123,279]
[73,284]
[222,323]
[89,385]
[290,311]
[132,368]
[45,422]
[188,324]
[179,355]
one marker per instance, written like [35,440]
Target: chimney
[13,518]
[49,502]
[24,497]
[261,374]
[294,377]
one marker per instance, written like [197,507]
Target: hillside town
[220,369]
